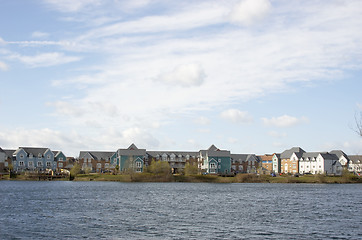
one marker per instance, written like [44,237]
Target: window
[21,163]
[49,164]
[30,155]
[212,165]
[40,164]
[61,159]
[21,156]
[219,160]
[99,165]
[48,157]
[106,165]
[60,164]
[320,166]
[138,164]
[219,166]
[30,164]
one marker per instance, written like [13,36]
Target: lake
[113,210]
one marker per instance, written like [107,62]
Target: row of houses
[210,161]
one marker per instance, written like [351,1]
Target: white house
[355,164]
[320,163]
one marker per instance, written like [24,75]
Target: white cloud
[284,121]
[38,34]
[236,116]
[3,66]
[186,75]
[45,59]
[202,120]
[140,137]
[247,12]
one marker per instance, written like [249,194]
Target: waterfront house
[266,163]
[97,161]
[60,159]
[176,159]
[244,163]
[33,159]
[320,163]
[355,164]
[9,158]
[289,160]
[215,161]
[342,157]
[2,160]
[131,158]
[276,163]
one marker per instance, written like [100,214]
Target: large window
[49,164]
[21,163]
[60,164]
[30,164]
[99,165]
[40,164]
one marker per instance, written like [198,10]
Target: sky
[251,76]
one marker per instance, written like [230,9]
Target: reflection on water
[114,210]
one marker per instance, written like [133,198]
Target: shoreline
[239,178]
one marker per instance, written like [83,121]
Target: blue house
[215,161]
[33,159]
[131,158]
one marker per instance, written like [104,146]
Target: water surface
[112,210]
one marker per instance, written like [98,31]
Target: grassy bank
[240,178]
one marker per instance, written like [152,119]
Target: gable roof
[288,153]
[244,157]
[35,151]
[9,152]
[168,153]
[96,155]
[215,152]
[132,147]
[339,153]
[355,159]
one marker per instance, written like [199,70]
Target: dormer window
[39,155]
[30,155]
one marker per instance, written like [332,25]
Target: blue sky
[252,76]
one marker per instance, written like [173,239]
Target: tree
[358,120]
[75,170]
[190,169]
[159,167]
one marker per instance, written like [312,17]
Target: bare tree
[358,126]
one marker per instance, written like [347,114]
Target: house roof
[96,155]
[168,153]
[35,151]
[288,153]
[355,159]
[9,152]
[244,157]
[339,153]
[328,156]
[213,151]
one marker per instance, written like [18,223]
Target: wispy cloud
[45,59]
[284,121]
[71,5]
